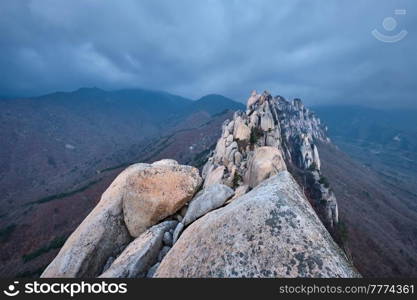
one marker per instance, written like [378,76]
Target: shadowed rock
[140,255]
[205,201]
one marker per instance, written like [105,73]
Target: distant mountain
[215,103]
[59,151]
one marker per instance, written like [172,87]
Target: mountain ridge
[131,230]
[205,129]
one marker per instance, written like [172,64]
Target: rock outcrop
[262,211]
[157,192]
[265,162]
[271,231]
[205,201]
[141,254]
[141,196]
[283,136]
[101,235]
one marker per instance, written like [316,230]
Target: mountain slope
[380,217]
[377,189]
[60,151]
[385,140]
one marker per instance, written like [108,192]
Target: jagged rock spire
[271,136]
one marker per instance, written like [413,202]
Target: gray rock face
[163,252]
[207,200]
[272,231]
[140,255]
[101,235]
[167,238]
[152,270]
[177,232]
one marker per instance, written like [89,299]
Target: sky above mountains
[321,51]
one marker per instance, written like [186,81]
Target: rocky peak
[273,135]
[248,217]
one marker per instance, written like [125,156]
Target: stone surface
[165,162]
[266,162]
[167,238]
[140,255]
[271,231]
[101,235]
[178,217]
[240,191]
[241,131]
[177,232]
[157,192]
[290,128]
[252,99]
[214,176]
[207,200]
[109,261]
[152,270]
[267,121]
[163,252]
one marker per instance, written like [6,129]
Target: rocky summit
[261,208]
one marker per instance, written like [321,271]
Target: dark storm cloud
[321,51]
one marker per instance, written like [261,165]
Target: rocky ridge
[273,135]
[247,216]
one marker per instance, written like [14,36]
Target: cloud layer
[322,52]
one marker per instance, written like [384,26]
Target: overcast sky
[320,51]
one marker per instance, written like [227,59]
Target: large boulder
[157,192]
[138,198]
[141,254]
[101,235]
[266,162]
[271,231]
[206,200]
